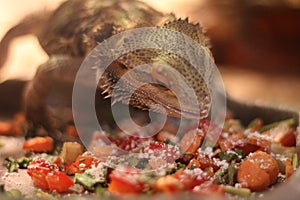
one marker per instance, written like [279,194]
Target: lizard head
[173,85]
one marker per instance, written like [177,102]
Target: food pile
[244,161]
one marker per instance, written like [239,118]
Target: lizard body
[76,27]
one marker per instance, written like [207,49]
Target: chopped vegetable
[5,128]
[39,144]
[241,158]
[168,184]
[209,189]
[86,180]
[285,151]
[255,125]
[82,162]
[220,176]
[24,162]
[232,171]
[47,176]
[1,143]
[44,196]
[71,131]
[295,161]
[194,163]
[13,165]
[14,194]
[70,151]
[288,168]
[191,141]
[245,192]
[125,180]
[258,172]
[229,156]
[289,122]
[58,181]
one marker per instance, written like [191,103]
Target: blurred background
[256,43]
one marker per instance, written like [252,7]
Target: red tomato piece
[190,179]
[210,189]
[288,139]
[124,180]
[38,171]
[170,152]
[82,162]
[58,181]
[40,164]
[127,143]
[47,176]
[72,169]
[206,125]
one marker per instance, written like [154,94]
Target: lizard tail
[32,24]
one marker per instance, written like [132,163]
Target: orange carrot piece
[258,172]
[253,177]
[5,128]
[191,141]
[231,141]
[39,144]
[261,142]
[288,168]
[71,131]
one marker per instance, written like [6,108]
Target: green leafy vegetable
[238,191]
[289,122]
[178,167]
[44,195]
[168,141]
[230,156]
[221,176]
[13,165]
[24,162]
[232,170]
[81,159]
[254,123]
[86,180]
[1,143]
[14,194]
[295,161]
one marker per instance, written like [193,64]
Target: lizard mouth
[161,99]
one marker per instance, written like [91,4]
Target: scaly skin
[77,26]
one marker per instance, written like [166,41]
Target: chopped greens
[221,176]
[14,194]
[232,170]
[13,165]
[86,180]
[237,191]
[44,195]
[1,143]
[295,161]
[230,156]
[289,122]
[11,194]
[92,177]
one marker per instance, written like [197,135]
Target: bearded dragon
[71,31]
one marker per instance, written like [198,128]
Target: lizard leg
[61,69]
